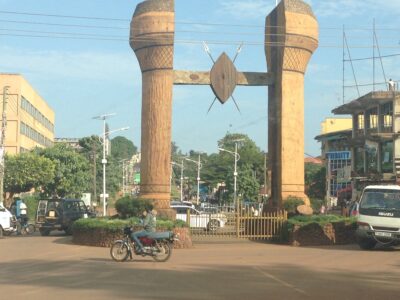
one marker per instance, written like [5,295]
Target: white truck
[379,216]
[7,222]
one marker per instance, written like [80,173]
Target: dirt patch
[314,234]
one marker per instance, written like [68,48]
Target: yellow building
[30,120]
[336,124]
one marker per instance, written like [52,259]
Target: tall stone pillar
[152,39]
[291,37]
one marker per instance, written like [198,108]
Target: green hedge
[118,224]
[319,219]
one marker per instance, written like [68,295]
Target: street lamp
[198,163]
[124,175]
[104,160]
[181,166]
[237,157]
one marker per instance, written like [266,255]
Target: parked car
[379,216]
[198,219]
[59,214]
[185,203]
[7,222]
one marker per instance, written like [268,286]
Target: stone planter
[314,234]
[104,238]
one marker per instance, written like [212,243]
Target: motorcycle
[158,245]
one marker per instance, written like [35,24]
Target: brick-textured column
[291,37]
[152,39]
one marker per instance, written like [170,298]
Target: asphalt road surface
[53,268]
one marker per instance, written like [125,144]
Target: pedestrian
[391,85]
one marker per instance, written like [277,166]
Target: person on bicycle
[149,226]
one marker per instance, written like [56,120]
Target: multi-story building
[30,120]
[375,138]
[336,153]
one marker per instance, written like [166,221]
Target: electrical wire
[184,22]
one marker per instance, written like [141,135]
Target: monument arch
[291,37]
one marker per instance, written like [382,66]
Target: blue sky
[82,78]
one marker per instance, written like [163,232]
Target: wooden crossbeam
[203,78]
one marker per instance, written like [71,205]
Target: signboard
[338,155]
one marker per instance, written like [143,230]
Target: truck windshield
[381,199]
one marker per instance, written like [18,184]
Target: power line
[177,41]
[181,22]
[376,57]
[61,25]
[60,16]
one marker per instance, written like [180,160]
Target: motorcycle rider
[149,226]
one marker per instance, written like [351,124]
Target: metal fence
[244,222]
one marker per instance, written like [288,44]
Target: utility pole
[94,153]
[198,163]
[2,142]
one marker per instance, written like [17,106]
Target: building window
[359,160]
[387,157]
[36,114]
[372,119]
[371,157]
[359,120]
[387,117]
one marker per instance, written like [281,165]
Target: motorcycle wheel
[162,251]
[119,251]
[30,229]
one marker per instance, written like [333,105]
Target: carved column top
[154,5]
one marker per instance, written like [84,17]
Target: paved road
[52,268]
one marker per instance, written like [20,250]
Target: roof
[365,102]
[313,160]
[334,135]
[383,187]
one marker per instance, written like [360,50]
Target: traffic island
[103,232]
[321,230]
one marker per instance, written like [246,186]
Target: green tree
[315,180]
[247,184]
[27,171]
[122,148]
[71,172]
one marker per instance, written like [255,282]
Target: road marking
[280,281]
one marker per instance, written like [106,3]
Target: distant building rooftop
[365,102]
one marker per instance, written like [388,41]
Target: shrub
[31,202]
[118,224]
[316,204]
[291,203]
[131,207]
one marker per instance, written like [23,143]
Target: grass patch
[319,219]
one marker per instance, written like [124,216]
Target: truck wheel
[1,232]
[366,244]
[44,232]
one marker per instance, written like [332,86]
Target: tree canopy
[27,171]
[71,176]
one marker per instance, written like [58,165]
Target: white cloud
[63,65]
[247,9]
[347,8]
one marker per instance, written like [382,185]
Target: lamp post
[198,163]
[104,160]
[124,176]
[182,167]
[237,157]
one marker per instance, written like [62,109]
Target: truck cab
[378,219]
[7,222]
